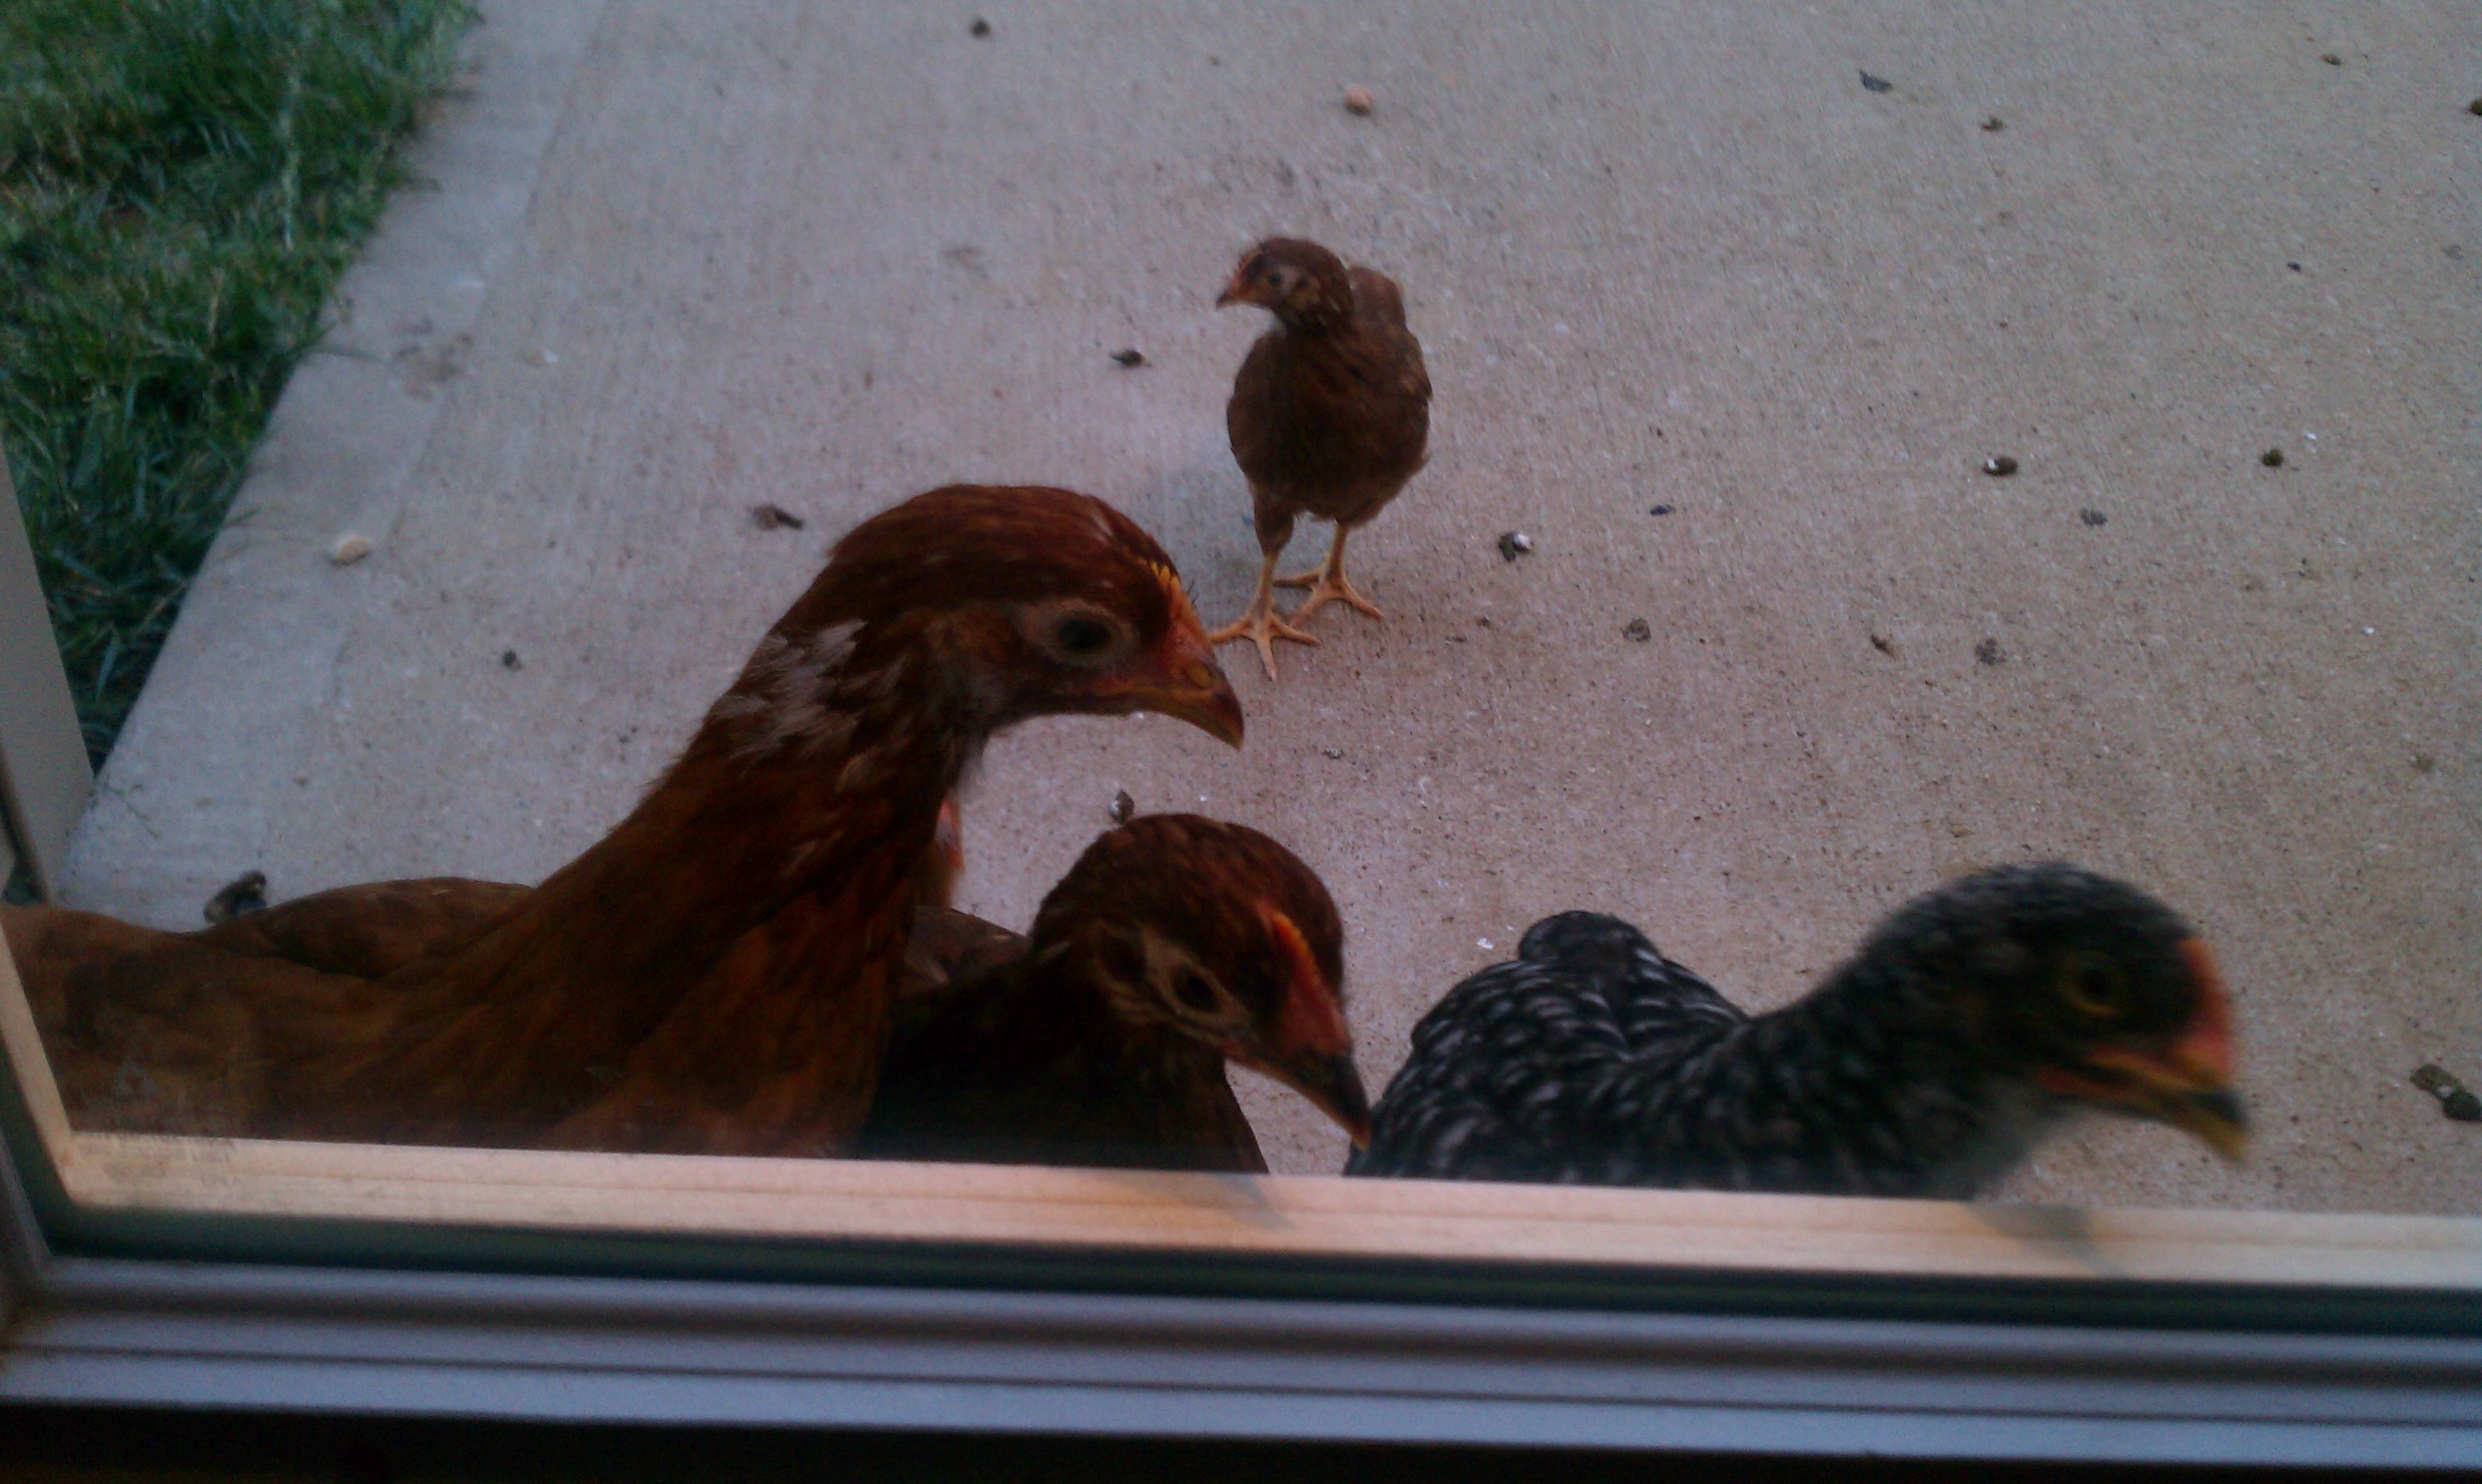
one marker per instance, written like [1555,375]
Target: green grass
[181,184]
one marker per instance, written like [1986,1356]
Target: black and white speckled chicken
[1971,1021]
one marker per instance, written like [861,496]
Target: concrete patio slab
[1679,258]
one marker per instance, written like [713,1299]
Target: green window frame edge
[45,779]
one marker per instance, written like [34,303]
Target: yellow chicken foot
[1328,584]
[1260,625]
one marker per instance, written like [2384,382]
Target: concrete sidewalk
[685,260]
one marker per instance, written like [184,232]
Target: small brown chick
[1329,416]
[1173,944]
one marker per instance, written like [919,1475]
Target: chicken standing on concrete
[1173,944]
[1969,1023]
[1329,416]
[715,975]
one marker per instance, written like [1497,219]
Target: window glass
[1803,483]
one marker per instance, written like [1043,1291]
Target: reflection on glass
[1851,470]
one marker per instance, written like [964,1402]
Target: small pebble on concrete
[1357,102]
[774,517]
[1994,124]
[2000,466]
[1124,807]
[1637,628]
[1989,652]
[347,549]
[1877,83]
[980,29]
[1514,544]
[2092,516]
[1659,509]
[509,660]
[2331,59]
[1130,356]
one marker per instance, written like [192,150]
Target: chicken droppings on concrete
[2455,1099]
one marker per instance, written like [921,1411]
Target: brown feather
[373,930]
[1330,413]
[715,974]
[1073,1046]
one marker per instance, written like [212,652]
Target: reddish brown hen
[713,976]
[1173,944]
[1329,416]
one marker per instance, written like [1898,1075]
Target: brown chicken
[1329,416]
[713,975]
[1173,944]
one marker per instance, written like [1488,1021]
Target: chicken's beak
[1237,291]
[2187,1083]
[1332,1084]
[1309,1049]
[1183,681]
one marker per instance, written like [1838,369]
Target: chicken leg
[1260,625]
[1328,584]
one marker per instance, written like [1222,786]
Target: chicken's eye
[1193,991]
[1082,637]
[2094,986]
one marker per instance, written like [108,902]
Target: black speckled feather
[1592,1059]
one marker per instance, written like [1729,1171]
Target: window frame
[45,777]
[330,1313]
